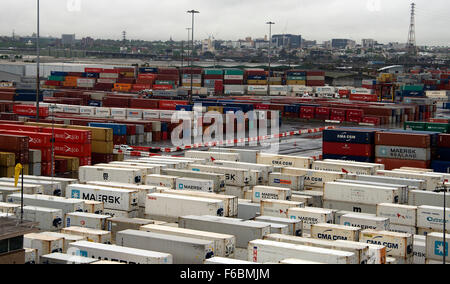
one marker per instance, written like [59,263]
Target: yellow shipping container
[70,83]
[215,108]
[73,163]
[122,86]
[98,133]
[257,82]
[119,157]
[102,147]
[275,83]
[7,172]
[7,159]
[71,79]
[26,169]
[296,82]
[127,74]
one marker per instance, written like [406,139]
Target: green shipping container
[438,127]
[172,83]
[296,78]
[413,88]
[415,126]
[234,72]
[213,72]
[57,78]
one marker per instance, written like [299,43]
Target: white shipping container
[333,232]
[149,169]
[432,181]
[63,181]
[9,208]
[9,188]
[294,182]
[398,214]
[233,176]
[87,220]
[435,247]
[50,188]
[419,197]
[43,244]
[94,207]
[161,180]
[375,166]
[134,113]
[120,254]
[248,157]
[212,156]
[150,114]
[62,258]
[365,222]
[119,112]
[104,112]
[284,161]
[194,184]
[351,207]
[225,260]
[91,173]
[397,244]
[310,216]
[343,167]
[49,219]
[269,192]
[430,217]
[67,238]
[314,178]
[403,229]
[92,235]
[359,193]
[295,227]
[278,208]
[31,256]
[113,198]
[420,250]
[218,179]
[377,253]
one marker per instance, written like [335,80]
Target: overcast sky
[384,20]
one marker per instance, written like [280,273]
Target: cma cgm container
[333,232]
[184,250]
[397,245]
[284,161]
[350,135]
[314,178]
[343,167]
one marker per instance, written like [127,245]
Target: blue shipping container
[443,154]
[355,136]
[441,166]
[95,103]
[349,158]
[186,108]
[118,129]
[27,97]
[148,70]
[58,73]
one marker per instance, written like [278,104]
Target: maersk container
[27,188]
[360,193]
[171,207]
[224,245]
[213,156]
[365,222]
[284,161]
[246,156]
[377,253]
[244,231]
[264,169]
[66,205]
[310,216]
[194,184]
[218,179]
[67,239]
[295,227]
[397,245]
[43,244]
[278,208]
[161,180]
[92,235]
[183,249]
[230,202]
[269,192]
[62,258]
[360,251]
[64,181]
[429,217]
[225,260]
[351,207]
[121,254]
[398,214]
[419,197]
[403,189]
[233,176]
[403,153]
[435,246]
[87,220]
[294,182]
[432,181]
[92,173]
[49,219]
[411,183]
[343,167]
[113,198]
[314,178]
[50,188]
[261,251]
[332,232]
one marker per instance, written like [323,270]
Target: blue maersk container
[350,135]
[349,158]
[118,129]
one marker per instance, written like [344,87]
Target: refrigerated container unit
[7,191]
[49,219]
[27,188]
[9,208]
[143,170]
[31,256]
[419,197]
[194,184]
[50,188]
[365,222]
[64,181]
[295,227]
[92,235]
[398,245]
[67,238]
[432,218]
[411,183]
[293,182]
[435,247]
[87,220]
[43,244]
[233,176]
[314,178]
[432,181]
[218,179]
[269,192]
[247,156]
[264,169]
[402,215]
[278,208]
[212,156]
[351,207]
[360,193]
[94,207]
[92,173]
[248,210]
[118,224]
[62,258]
[343,167]
[183,249]
[284,161]
[161,181]
[310,216]
[332,232]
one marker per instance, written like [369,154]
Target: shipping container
[397,245]
[269,192]
[310,216]
[213,156]
[398,214]
[218,179]
[161,180]
[430,217]
[278,208]
[27,188]
[43,244]
[87,220]
[194,184]
[295,228]
[419,197]
[64,181]
[365,222]
[432,181]
[62,258]
[92,235]
[90,173]
[350,207]
[360,193]
[67,238]
[225,260]
[411,183]
[233,176]
[333,232]
[294,182]
[246,156]
[264,169]
[343,167]
[314,178]
[435,246]
[284,161]
[377,253]
[49,219]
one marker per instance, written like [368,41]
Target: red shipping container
[444,140]
[11,122]
[144,104]
[162,87]
[391,164]
[355,113]
[363,98]
[403,139]
[30,110]
[113,71]
[46,169]
[102,158]
[142,86]
[60,166]
[53,83]
[212,77]
[85,161]
[233,82]
[171,105]
[323,111]
[93,70]
[315,73]
[119,139]
[25,128]
[312,83]
[371,120]
[70,135]
[337,118]
[308,110]
[346,149]
[147,76]
[35,139]
[73,150]
[338,112]
[262,106]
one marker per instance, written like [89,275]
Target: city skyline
[377,19]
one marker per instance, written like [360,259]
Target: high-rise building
[339,43]
[68,39]
[287,40]
[368,43]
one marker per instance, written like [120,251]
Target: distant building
[68,39]
[338,43]
[261,43]
[87,41]
[287,40]
[308,43]
[368,43]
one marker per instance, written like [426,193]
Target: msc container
[91,173]
[230,202]
[284,161]
[365,222]
[398,214]
[184,250]
[126,255]
[27,188]
[224,260]
[418,198]
[67,239]
[233,176]
[294,182]
[246,156]
[343,167]
[213,156]
[264,170]
[94,207]
[62,258]
[310,216]
[295,228]
[43,244]
[350,207]
[224,245]
[92,235]
[435,246]
[118,224]
[397,245]
[278,208]
[49,219]
[269,192]
[244,231]
[66,205]
[87,220]
[161,180]
[170,207]
[218,179]
[411,183]
[314,178]
[262,251]
[50,188]
[113,198]
[194,184]
[359,193]
[432,181]
[333,232]
[429,217]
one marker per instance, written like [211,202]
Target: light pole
[193,12]
[37,65]
[270,50]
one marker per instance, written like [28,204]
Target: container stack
[256,77]
[17,145]
[7,164]
[35,162]
[193,75]
[213,80]
[396,149]
[296,77]
[233,77]
[428,126]
[315,78]
[442,163]
[354,144]
[167,77]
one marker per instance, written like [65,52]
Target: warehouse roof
[11,228]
